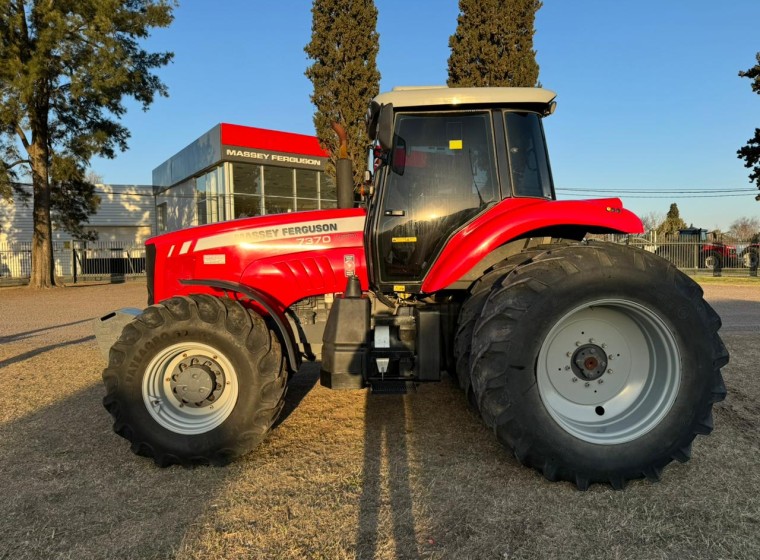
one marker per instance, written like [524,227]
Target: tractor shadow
[386,509]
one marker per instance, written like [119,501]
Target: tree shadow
[19,336]
[42,350]
[72,489]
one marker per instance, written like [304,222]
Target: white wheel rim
[634,383]
[164,388]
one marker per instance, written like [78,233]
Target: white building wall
[126,213]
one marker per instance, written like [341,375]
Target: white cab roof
[402,97]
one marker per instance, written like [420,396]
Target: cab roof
[409,97]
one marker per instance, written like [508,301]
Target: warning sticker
[403,240]
[455,144]
[214,259]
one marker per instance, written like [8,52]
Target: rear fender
[517,218]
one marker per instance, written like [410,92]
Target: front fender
[514,218]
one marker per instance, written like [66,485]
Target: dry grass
[344,475]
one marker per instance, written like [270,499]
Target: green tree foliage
[672,223]
[65,68]
[344,45]
[493,44]
[751,152]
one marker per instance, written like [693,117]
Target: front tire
[195,380]
[597,363]
[713,261]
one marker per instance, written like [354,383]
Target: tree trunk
[43,274]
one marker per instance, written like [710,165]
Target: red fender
[514,217]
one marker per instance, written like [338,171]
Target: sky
[648,92]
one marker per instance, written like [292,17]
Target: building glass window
[267,189]
[201,215]
[162,211]
[278,181]
[209,196]
[328,194]
[278,204]
[248,188]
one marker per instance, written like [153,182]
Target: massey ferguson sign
[271,147]
[235,153]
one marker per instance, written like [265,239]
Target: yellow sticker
[403,240]
[399,288]
[455,144]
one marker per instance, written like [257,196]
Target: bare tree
[652,220]
[745,228]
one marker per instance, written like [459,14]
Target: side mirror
[385,126]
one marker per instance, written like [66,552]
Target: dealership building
[235,171]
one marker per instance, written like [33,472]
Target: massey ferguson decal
[298,236]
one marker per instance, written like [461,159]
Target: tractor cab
[443,156]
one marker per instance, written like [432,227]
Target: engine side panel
[287,256]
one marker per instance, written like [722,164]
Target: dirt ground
[344,475]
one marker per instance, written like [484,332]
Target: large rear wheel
[597,363]
[195,380]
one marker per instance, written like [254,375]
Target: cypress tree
[751,152]
[672,223]
[344,45]
[493,44]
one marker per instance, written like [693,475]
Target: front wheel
[597,363]
[713,261]
[195,380]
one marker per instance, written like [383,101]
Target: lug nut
[610,371]
[591,341]
[575,379]
[586,384]
[600,381]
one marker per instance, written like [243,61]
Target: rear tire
[597,363]
[750,258]
[195,380]
[473,306]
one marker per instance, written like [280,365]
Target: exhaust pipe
[344,171]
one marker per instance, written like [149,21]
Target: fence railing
[76,261]
[711,255]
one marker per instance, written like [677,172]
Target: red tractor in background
[593,362]
[698,248]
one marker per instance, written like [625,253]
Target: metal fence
[78,261]
[75,261]
[712,255]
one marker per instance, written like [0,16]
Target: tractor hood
[289,256]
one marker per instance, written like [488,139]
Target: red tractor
[592,362]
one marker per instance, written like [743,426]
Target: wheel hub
[589,362]
[197,381]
